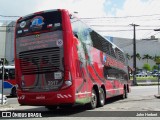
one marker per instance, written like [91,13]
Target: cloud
[85,8]
[138,8]
[17,7]
[111,6]
[94,8]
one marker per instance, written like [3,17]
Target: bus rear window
[43,22]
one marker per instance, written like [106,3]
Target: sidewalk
[6,107]
[146,82]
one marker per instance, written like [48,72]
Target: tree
[6,62]
[137,56]
[155,67]
[146,67]
[157,59]
[128,56]
[147,57]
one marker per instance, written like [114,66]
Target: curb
[147,83]
[157,96]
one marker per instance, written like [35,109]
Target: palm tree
[137,56]
[128,56]
[157,59]
[147,57]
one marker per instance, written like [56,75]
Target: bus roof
[24,17]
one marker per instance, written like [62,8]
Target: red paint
[83,75]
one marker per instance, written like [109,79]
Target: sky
[108,17]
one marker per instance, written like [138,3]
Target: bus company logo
[37,23]
[59,42]
[40,97]
[104,58]
[23,24]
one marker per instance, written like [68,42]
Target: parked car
[4,99]
[156,74]
[142,74]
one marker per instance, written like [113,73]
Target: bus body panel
[84,67]
[47,98]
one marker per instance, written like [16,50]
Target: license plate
[57,75]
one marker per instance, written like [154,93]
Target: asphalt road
[141,99]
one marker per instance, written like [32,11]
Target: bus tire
[102,98]
[94,99]
[14,92]
[125,94]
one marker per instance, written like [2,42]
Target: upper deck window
[42,22]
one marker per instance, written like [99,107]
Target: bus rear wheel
[102,98]
[93,103]
[125,94]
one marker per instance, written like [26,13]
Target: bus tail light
[67,80]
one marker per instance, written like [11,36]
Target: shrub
[146,67]
[155,67]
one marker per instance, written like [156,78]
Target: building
[143,47]
[2,40]
[7,42]
[9,46]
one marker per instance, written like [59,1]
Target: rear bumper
[46,98]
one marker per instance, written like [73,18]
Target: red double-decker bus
[59,60]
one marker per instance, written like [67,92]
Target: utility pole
[158,63]
[2,69]
[134,53]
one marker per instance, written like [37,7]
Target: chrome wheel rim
[94,100]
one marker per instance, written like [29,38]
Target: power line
[6,26]
[120,26]
[122,16]
[99,30]
[8,16]
[7,30]
[120,30]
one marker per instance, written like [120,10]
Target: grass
[145,78]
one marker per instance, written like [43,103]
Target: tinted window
[81,30]
[44,22]
[89,36]
[120,55]
[113,73]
